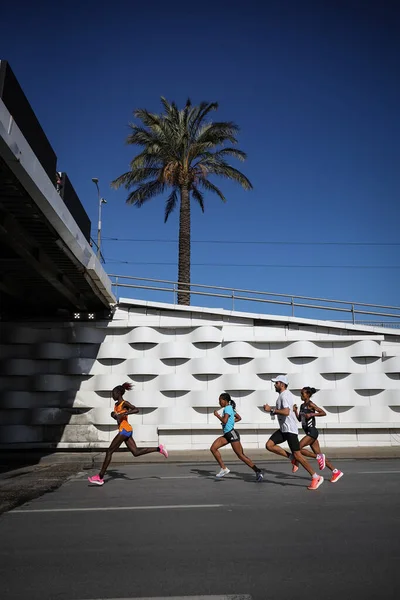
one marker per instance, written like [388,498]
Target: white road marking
[229,597]
[104,508]
[374,472]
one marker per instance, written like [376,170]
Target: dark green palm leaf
[150,157]
[170,204]
[200,114]
[229,172]
[142,137]
[210,187]
[198,196]
[148,119]
[218,133]
[205,155]
[140,175]
[145,192]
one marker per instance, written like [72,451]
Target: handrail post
[292,302]
[116,289]
[233,299]
[175,294]
[353,314]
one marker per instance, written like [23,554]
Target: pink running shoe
[336,475]
[315,483]
[295,466]
[96,480]
[163,450]
[321,461]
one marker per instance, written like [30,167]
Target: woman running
[122,409]
[307,414]
[230,436]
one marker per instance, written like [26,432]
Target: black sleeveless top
[306,421]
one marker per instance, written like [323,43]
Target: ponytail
[227,397]
[123,388]
[310,390]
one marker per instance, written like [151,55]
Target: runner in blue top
[230,436]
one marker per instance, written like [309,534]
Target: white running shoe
[222,473]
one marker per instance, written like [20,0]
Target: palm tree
[180,149]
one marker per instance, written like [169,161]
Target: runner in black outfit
[307,414]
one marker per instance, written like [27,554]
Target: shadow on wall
[46,398]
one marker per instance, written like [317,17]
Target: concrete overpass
[47,265]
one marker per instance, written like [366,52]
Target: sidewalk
[28,475]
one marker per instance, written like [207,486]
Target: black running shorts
[312,432]
[232,436]
[291,438]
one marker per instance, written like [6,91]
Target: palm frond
[200,114]
[168,108]
[149,119]
[158,139]
[142,137]
[218,133]
[198,196]
[141,175]
[170,204]
[122,180]
[202,155]
[150,157]
[235,152]
[198,150]
[210,187]
[224,170]
[145,192]
[171,116]
[137,176]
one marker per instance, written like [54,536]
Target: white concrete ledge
[187,427]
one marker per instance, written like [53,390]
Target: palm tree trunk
[184,248]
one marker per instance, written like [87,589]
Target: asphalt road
[172,530]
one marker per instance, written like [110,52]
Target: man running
[288,429]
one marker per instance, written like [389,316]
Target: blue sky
[313,86]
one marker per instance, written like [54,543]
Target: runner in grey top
[288,430]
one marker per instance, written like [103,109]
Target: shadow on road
[114,474]
[281,479]
[18,459]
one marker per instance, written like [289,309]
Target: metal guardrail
[94,245]
[233,295]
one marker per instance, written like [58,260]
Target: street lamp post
[101,201]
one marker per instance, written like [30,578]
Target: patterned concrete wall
[56,378]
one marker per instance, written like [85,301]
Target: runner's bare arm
[223,419]
[318,412]
[130,409]
[296,412]
[277,411]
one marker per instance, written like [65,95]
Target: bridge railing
[165,290]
